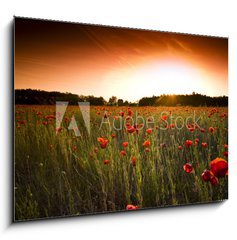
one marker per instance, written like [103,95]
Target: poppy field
[132,158]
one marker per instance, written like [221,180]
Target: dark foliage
[38,97]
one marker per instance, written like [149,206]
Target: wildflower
[121,113]
[164,118]
[147,149]
[74,148]
[202,130]
[113,135]
[188,143]
[129,112]
[125,144]
[225,154]
[214,180]
[103,142]
[131,207]
[211,129]
[204,145]
[180,147]
[219,167]
[171,126]
[134,160]
[130,129]
[147,143]
[188,168]
[23,122]
[206,175]
[106,162]
[149,130]
[123,153]
[50,117]
[44,123]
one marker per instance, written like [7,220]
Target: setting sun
[157,78]
[126,63]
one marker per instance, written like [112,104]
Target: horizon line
[86,95]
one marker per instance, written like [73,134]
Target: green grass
[61,175]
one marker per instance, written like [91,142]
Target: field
[158,160]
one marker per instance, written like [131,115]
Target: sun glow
[157,78]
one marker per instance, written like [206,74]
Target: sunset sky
[127,63]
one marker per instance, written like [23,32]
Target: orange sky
[127,63]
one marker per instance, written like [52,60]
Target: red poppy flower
[128,118]
[134,160]
[202,130]
[39,113]
[214,180]
[188,168]
[150,119]
[204,145]
[74,148]
[131,207]
[149,130]
[196,141]
[106,162]
[129,112]
[123,153]
[130,129]
[164,117]
[219,167]
[103,142]
[147,143]
[66,119]
[125,144]
[50,117]
[147,149]
[225,154]
[180,147]
[23,122]
[44,123]
[206,175]
[226,146]
[121,113]
[188,143]
[211,129]
[113,135]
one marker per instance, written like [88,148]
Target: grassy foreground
[150,163]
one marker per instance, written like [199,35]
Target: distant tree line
[39,97]
[193,99]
